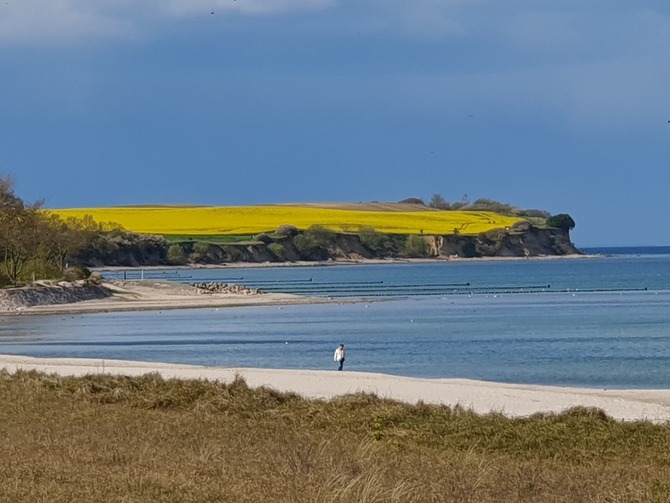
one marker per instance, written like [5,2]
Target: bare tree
[24,231]
[63,239]
[439,202]
[21,235]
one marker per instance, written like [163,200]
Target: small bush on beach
[76,273]
[148,439]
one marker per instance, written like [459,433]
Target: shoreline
[343,262]
[158,295]
[481,397]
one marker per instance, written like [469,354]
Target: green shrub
[286,230]
[561,221]
[533,213]
[200,252]
[175,254]
[413,200]
[278,250]
[321,235]
[415,247]
[76,273]
[308,248]
[263,238]
[484,204]
[379,243]
[95,278]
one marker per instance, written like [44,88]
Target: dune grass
[250,220]
[145,439]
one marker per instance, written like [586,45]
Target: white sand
[481,397]
[163,295]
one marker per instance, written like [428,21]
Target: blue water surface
[594,322]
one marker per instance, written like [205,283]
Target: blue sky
[563,106]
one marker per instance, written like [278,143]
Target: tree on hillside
[33,240]
[314,243]
[535,213]
[438,202]
[381,244]
[464,202]
[484,204]
[11,211]
[22,231]
[63,239]
[176,255]
[415,247]
[413,200]
[561,221]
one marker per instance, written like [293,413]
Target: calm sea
[593,322]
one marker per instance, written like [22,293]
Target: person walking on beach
[339,356]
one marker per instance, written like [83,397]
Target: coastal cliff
[322,245]
[531,242]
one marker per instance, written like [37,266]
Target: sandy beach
[144,295]
[481,397]
[154,295]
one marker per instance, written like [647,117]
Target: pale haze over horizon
[561,106]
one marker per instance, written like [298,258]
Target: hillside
[365,206]
[182,235]
[389,218]
[43,243]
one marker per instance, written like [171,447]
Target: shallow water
[596,322]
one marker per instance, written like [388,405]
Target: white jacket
[339,354]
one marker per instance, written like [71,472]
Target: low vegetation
[104,438]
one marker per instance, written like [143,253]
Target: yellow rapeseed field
[248,220]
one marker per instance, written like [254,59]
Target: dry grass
[118,439]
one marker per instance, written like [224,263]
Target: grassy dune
[117,439]
[249,220]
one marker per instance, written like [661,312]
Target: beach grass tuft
[114,438]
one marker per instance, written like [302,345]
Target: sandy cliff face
[532,242]
[525,242]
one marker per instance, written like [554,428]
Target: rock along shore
[47,293]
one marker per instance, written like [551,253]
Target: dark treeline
[38,244]
[35,243]
[481,204]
